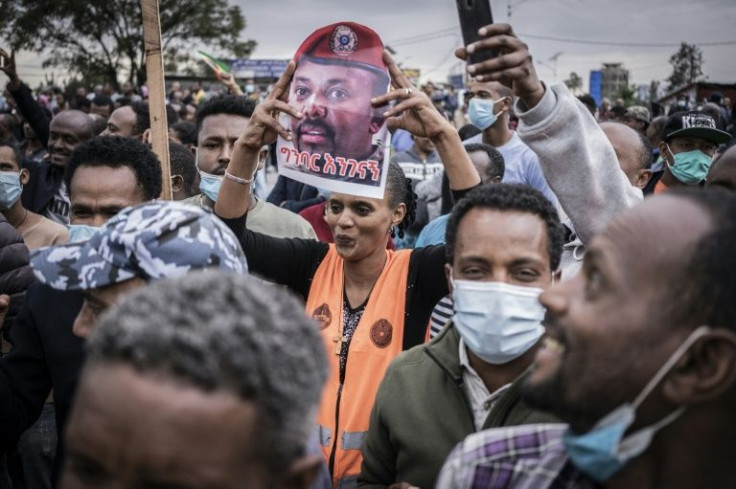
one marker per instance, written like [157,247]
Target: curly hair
[496,166]
[142,117]
[186,131]
[227,332]
[509,197]
[182,163]
[399,190]
[225,104]
[117,152]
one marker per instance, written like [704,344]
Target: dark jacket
[15,272]
[422,411]
[45,179]
[32,112]
[45,354]
[44,182]
[293,195]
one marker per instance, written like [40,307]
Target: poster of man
[341,144]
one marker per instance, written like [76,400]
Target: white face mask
[497,321]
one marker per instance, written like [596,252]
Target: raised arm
[27,105]
[263,128]
[415,113]
[577,159]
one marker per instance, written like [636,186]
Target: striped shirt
[441,314]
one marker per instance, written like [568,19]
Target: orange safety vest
[344,412]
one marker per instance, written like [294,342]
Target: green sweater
[422,411]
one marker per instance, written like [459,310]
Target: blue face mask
[690,167]
[210,185]
[10,189]
[604,450]
[480,112]
[81,232]
[497,321]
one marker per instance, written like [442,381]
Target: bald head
[632,150]
[66,131]
[78,120]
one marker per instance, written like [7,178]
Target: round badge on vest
[323,316]
[381,333]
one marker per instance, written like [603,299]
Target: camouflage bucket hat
[151,241]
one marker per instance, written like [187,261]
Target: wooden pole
[156,90]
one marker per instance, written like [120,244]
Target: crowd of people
[543,297]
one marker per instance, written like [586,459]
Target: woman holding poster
[371,303]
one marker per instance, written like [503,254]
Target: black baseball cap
[696,124]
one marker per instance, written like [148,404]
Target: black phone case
[473,15]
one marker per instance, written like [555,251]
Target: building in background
[696,94]
[613,77]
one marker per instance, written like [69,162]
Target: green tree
[101,39]
[687,66]
[629,94]
[574,83]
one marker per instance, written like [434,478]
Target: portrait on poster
[342,143]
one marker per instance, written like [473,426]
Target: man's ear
[302,473]
[177,183]
[25,176]
[642,178]
[448,276]
[664,150]
[706,372]
[146,136]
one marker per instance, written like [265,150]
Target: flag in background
[218,65]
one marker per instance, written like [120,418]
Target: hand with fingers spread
[8,67]
[514,62]
[414,111]
[263,128]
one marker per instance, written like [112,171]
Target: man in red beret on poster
[339,69]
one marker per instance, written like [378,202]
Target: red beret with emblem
[344,43]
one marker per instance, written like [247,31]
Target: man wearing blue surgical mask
[504,244]
[220,121]
[690,140]
[488,110]
[37,231]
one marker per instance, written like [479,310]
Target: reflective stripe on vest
[349,482]
[324,435]
[352,440]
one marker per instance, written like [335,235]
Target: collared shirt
[481,400]
[519,457]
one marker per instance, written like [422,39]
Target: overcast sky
[280,25]
[280,30]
